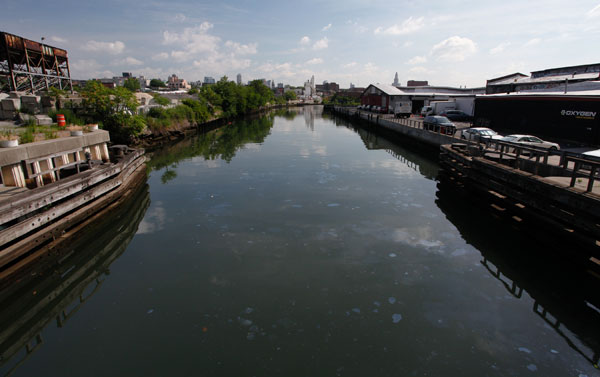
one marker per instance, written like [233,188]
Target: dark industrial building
[30,66]
[571,118]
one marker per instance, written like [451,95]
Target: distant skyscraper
[396,83]
[208,80]
[239,79]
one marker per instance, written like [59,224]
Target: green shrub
[161,100]
[30,122]
[70,116]
[28,136]
[124,127]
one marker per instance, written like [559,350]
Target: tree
[161,100]
[289,95]
[156,83]
[132,84]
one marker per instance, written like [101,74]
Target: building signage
[579,114]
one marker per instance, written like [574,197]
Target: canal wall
[412,128]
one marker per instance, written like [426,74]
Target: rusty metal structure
[30,66]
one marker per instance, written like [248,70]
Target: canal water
[297,244]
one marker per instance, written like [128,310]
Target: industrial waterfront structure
[556,78]
[29,66]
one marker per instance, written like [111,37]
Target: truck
[437,107]
[402,109]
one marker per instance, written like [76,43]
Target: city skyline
[446,43]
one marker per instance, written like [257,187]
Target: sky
[446,42]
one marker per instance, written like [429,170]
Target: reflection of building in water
[564,296]
[310,113]
[65,282]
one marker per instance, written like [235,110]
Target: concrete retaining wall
[9,156]
[404,127]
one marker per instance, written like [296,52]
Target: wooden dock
[560,190]
[32,218]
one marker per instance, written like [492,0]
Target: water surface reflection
[303,246]
[66,280]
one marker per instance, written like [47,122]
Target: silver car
[531,141]
[479,133]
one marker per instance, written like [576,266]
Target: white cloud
[57,39]
[219,64]
[161,56]
[417,60]
[305,40]
[408,44]
[315,61]
[241,49]
[112,48]
[370,67]
[454,49]
[594,12]
[179,17]
[410,25]
[532,42]
[128,61]
[498,49]
[321,44]
[193,40]
[325,28]
[350,65]
[282,70]
[153,72]
[86,68]
[206,51]
[421,70]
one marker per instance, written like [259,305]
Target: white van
[426,110]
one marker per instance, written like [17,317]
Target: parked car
[440,124]
[479,133]
[531,141]
[457,115]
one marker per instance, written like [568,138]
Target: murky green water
[299,245]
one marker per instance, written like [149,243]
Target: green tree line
[115,108]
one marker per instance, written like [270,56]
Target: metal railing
[590,167]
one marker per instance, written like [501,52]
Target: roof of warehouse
[529,80]
[390,90]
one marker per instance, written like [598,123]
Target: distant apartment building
[328,87]
[175,83]
[239,79]
[208,81]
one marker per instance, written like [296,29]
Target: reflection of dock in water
[72,273]
[564,295]
[414,161]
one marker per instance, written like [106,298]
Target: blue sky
[448,42]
